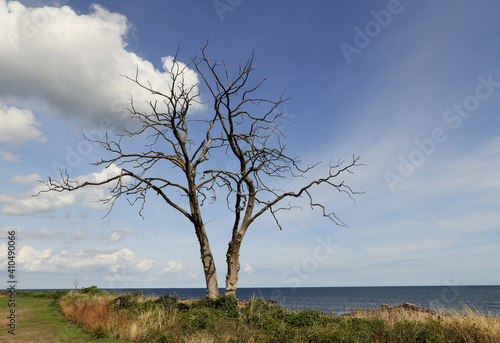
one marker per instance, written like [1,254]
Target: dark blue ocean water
[344,299]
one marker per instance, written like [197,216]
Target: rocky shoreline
[398,309]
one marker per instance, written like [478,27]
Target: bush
[183,307]
[123,302]
[168,301]
[135,302]
[226,306]
[223,306]
[199,320]
[92,290]
[303,318]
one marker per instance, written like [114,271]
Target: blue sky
[411,87]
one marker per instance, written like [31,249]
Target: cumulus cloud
[109,260]
[173,266]
[90,196]
[18,126]
[71,63]
[26,203]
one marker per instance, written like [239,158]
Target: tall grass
[166,319]
[115,316]
[449,325]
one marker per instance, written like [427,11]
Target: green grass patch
[37,318]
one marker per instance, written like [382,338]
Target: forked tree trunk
[233,267]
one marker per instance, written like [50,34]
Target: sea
[340,300]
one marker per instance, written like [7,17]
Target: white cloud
[117,235]
[72,63]
[25,180]
[248,268]
[110,260]
[173,266]
[9,157]
[92,194]
[26,203]
[18,126]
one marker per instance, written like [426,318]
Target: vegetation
[167,319]
[132,317]
[38,320]
[43,294]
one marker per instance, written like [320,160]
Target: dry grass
[469,321]
[489,324]
[200,338]
[94,315]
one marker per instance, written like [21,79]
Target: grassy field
[133,317]
[38,321]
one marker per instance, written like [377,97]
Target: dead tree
[241,127]
[76,283]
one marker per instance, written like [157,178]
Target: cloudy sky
[411,87]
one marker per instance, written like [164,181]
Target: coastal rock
[401,308]
[414,308]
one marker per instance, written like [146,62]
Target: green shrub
[199,320]
[226,306]
[168,301]
[135,302]
[123,302]
[303,318]
[92,290]
[223,306]
[183,307]
[225,302]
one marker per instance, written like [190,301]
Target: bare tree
[242,127]
[76,283]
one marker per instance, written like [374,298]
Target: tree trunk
[210,276]
[233,267]
[208,262]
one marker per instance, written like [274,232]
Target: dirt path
[37,321]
